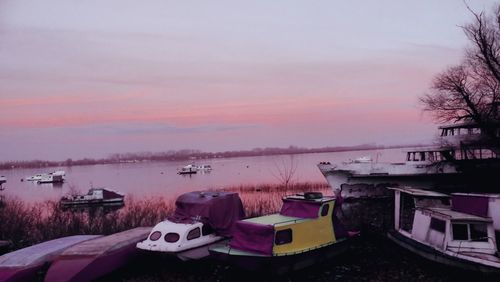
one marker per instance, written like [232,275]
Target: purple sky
[91,78]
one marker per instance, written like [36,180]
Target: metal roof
[419,192]
[457,216]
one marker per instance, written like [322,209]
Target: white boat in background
[201,219]
[57,176]
[428,224]
[3,179]
[34,177]
[188,169]
[204,168]
[459,159]
[53,177]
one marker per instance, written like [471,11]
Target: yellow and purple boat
[305,232]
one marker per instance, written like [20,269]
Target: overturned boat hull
[95,258]
[25,264]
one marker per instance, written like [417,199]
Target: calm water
[152,179]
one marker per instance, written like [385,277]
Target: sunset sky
[91,78]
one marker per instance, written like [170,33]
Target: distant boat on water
[3,179]
[52,177]
[95,196]
[188,169]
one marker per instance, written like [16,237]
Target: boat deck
[276,219]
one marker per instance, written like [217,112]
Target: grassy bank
[27,224]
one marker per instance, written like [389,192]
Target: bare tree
[285,170]
[470,90]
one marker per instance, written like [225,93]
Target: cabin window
[283,237]
[325,209]
[438,225]
[171,237]
[193,234]
[478,232]
[155,236]
[407,212]
[206,230]
[460,232]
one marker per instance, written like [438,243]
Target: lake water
[152,179]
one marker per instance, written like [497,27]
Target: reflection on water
[155,179]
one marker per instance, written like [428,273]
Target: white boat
[188,169]
[57,176]
[93,197]
[430,225]
[3,179]
[447,165]
[201,219]
[204,168]
[36,177]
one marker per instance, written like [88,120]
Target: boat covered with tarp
[201,218]
[305,231]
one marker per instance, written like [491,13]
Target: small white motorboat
[201,219]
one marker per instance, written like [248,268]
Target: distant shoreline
[191,155]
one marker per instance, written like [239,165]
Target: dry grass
[26,225]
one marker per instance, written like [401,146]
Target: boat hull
[283,263]
[27,263]
[96,258]
[439,257]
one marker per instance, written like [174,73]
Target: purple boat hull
[26,264]
[98,257]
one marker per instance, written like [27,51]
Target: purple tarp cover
[253,237]
[476,205]
[220,210]
[301,209]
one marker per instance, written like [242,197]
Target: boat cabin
[302,225]
[200,218]
[430,155]
[430,218]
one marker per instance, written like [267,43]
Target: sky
[92,78]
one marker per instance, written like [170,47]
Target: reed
[27,224]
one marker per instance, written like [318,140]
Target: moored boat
[201,219]
[188,169]
[428,224]
[95,196]
[3,179]
[305,232]
[25,264]
[94,258]
[461,157]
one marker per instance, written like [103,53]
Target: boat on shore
[26,264]
[95,196]
[201,219]
[305,232]
[428,224]
[94,258]
[460,158]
